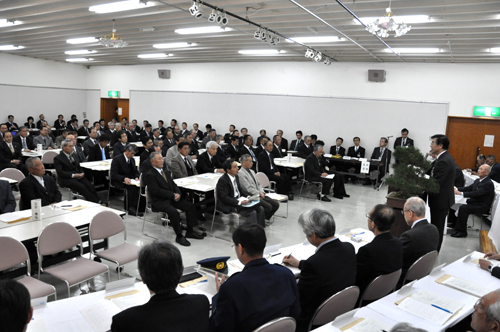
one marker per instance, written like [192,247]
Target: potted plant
[409,179]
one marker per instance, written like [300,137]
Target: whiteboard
[327,117]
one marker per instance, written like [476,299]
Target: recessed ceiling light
[173,45]
[413,50]
[398,18]
[495,50]
[190,31]
[10,47]
[7,23]
[260,52]
[79,59]
[83,40]
[154,56]
[76,52]
[312,40]
[119,6]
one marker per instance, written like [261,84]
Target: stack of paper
[464,285]
[12,217]
[369,324]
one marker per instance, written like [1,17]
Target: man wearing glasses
[486,316]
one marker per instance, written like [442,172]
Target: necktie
[24,144]
[236,191]
[103,154]
[253,177]
[356,149]
[164,176]
[11,148]
[271,161]
[338,150]
[381,153]
[45,141]
[188,165]
[297,145]
[404,142]
[252,154]
[71,159]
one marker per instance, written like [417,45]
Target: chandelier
[112,40]
[388,23]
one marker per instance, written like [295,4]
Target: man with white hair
[486,316]
[208,162]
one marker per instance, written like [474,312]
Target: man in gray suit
[44,139]
[182,165]
[250,183]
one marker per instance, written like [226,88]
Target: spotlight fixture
[388,23]
[196,10]
[310,53]
[327,61]
[112,40]
[256,34]
[318,57]
[212,17]
[223,19]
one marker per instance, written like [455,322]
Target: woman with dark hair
[30,124]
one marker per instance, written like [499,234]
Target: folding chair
[307,183]
[123,190]
[265,183]
[422,267]
[380,287]
[283,324]
[235,214]
[14,174]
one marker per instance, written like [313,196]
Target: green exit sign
[114,94]
[487,111]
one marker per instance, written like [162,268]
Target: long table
[40,154]
[103,165]
[205,182]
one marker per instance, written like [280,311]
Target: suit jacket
[30,189]
[480,194]
[48,141]
[6,156]
[294,143]
[246,150]
[113,137]
[333,150]
[305,151]
[83,131]
[397,142]
[88,144]
[383,255]
[79,155]
[418,241]
[168,143]
[30,125]
[352,153]
[312,167]
[29,142]
[284,143]
[166,312]
[259,149]
[495,172]
[205,140]
[221,155]
[39,124]
[132,136]
[331,269]
[459,177]
[226,202]
[265,163]
[255,296]
[59,125]
[204,165]
[277,152]
[249,181]
[179,169]
[120,170]
[144,155]
[193,149]
[232,152]
[386,158]
[7,200]
[161,192]
[144,133]
[65,169]
[199,134]
[444,173]
[118,148]
[95,153]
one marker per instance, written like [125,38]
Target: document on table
[369,324]
[199,187]
[15,216]
[185,181]
[251,203]
[37,325]
[66,205]
[99,315]
[431,307]
[209,175]
[464,285]
[329,176]
[129,301]
[362,234]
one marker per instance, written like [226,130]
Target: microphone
[389,136]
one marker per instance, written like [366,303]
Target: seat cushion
[36,287]
[123,253]
[77,271]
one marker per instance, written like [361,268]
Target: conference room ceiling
[462,30]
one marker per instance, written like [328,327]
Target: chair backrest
[263,179]
[12,173]
[105,224]
[422,266]
[381,286]
[48,157]
[13,253]
[283,324]
[336,305]
[57,237]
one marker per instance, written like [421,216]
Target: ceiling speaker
[164,73]
[376,75]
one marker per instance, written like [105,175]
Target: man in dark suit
[260,145]
[166,197]
[208,162]
[356,151]
[495,168]
[193,145]
[147,144]
[167,310]
[147,131]
[294,146]
[7,200]
[77,150]
[283,141]
[258,294]
[233,147]
[443,172]
[90,142]
[11,155]
[227,136]
[84,130]
[132,135]
[72,125]
[121,145]
[198,134]
[161,128]
[480,196]
[384,254]
[306,148]
[277,150]
[404,140]
[70,174]
[338,149]
[24,141]
[246,148]
[99,152]
[135,127]
[267,166]
[229,192]
[422,238]
[38,186]
[11,125]
[59,124]
[41,118]
[383,155]
[123,170]
[331,269]
[169,141]
[3,130]
[315,170]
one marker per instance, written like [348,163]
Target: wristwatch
[490,268]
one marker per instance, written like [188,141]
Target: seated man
[233,147]
[250,183]
[384,254]
[38,185]
[182,165]
[267,166]
[121,145]
[15,306]
[10,154]
[174,150]
[227,136]
[147,144]
[422,238]
[61,137]
[70,174]
[85,129]
[331,269]
[147,132]
[7,200]
[277,151]
[383,155]
[167,310]
[209,138]
[221,154]
[90,142]
[123,170]
[495,168]
[481,160]
[100,151]
[193,145]
[404,140]
[356,151]
[208,162]
[338,149]
[169,141]
[258,294]
[486,315]
[480,196]
[296,143]
[166,197]
[25,141]
[315,170]
[229,192]
[306,148]
[132,135]
[246,148]
[261,145]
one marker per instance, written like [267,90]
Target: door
[110,108]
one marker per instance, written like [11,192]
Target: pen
[435,306]
[65,205]
[276,254]
[286,258]
[357,234]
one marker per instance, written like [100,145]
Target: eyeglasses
[368,216]
[478,306]
[403,211]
